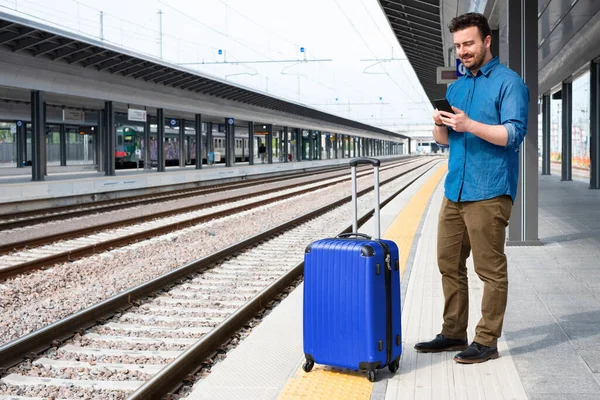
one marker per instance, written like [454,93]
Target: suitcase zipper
[388,295]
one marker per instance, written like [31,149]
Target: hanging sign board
[136,115]
[72,115]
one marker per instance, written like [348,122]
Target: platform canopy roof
[21,35]
[419,30]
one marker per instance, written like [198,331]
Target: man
[484,133]
[262,152]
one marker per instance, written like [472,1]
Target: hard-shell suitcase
[352,297]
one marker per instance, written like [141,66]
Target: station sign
[446,75]
[461,70]
[134,114]
[72,115]
[172,121]
[230,121]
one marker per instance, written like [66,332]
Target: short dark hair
[471,19]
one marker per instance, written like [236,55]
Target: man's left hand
[459,121]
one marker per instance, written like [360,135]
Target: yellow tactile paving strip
[328,383]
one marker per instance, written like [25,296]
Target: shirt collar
[487,68]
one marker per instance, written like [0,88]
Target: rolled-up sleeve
[514,110]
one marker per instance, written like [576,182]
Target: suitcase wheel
[308,365]
[393,367]
[372,375]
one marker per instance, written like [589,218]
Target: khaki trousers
[479,226]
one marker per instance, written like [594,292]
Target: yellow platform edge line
[328,383]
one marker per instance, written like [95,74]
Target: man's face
[470,49]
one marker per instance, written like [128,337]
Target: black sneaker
[441,343]
[476,353]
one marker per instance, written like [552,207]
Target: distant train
[427,147]
[130,146]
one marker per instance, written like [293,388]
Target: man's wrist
[436,124]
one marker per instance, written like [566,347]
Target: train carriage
[130,146]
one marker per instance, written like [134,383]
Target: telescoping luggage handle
[353,164]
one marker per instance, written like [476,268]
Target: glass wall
[8,144]
[581,126]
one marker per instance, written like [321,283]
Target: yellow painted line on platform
[404,228]
[328,383]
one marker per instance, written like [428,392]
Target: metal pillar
[38,136]
[301,141]
[495,43]
[546,135]
[299,147]
[522,40]
[286,143]
[21,143]
[566,156]
[595,126]
[62,136]
[229,143]
[182,142]
[146,156]
[250,143]
[109,139]
[160,139]
[311,145]
[198,135]
[209,139]
[269,144]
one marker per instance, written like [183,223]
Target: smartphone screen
[443,105]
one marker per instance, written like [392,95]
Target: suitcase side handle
[365,160]
[351,234]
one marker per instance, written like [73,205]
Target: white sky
[345,31]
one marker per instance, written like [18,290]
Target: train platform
[550,347]
[82,183]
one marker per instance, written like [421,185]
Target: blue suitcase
[352,297]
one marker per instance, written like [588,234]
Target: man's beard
[477,61]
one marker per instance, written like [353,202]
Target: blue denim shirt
[477,169]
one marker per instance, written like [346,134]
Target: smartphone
[443,105]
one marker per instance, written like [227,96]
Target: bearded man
[489,123]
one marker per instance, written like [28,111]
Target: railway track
[156,334]
[28,218]
[35,254]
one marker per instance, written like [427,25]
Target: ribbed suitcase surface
[346,318]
